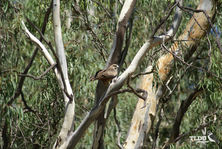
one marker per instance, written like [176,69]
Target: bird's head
[114,66]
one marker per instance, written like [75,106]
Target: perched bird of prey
[106,75]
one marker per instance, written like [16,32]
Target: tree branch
[115,57]
[68,123]
[114,86]
[41,76]
[182,110]
[22,79]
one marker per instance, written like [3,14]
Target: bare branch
[114,86]
[142,73]
[25,104]
[68,123]
[21,81]
[118,129]
[97,41]
[209,20]
[182,110]
[41,76]
[115,57]
[164,19]
[39,44]
[196,67]
[99,4]
[144,96]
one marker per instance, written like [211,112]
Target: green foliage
[38,124]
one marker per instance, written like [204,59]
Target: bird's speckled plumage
[106,75]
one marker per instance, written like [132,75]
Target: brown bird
[106,75]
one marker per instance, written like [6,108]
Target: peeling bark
[193,32]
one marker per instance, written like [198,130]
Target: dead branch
[41,76]
[190,65]
[136,92]
[142,73]
[22,79]
[182,110]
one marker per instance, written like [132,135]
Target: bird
[106,75]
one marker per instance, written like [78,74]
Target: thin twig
[118,129]
[25,104]
[157,127]
[209,20]
[41,76]
[107,11]
[142,73]
[144,96]
[129,91]
[209,54]
[88,26]
[22,80]
[180,59]
[162,21]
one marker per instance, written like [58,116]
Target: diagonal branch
[115,57]
[137,91]
[165,19]
[22,80]
[63,82]
[41,76]
[114,86]
[182,110]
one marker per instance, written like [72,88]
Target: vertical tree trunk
[114,58]
[142,118]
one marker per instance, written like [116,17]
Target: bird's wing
[95,77]
[109,74]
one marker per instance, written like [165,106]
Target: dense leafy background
[26,129]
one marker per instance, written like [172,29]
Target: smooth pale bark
[62,75]
[114,58]
[142,115]
[58,74]
[142,119]
[116,85]
[68,123]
